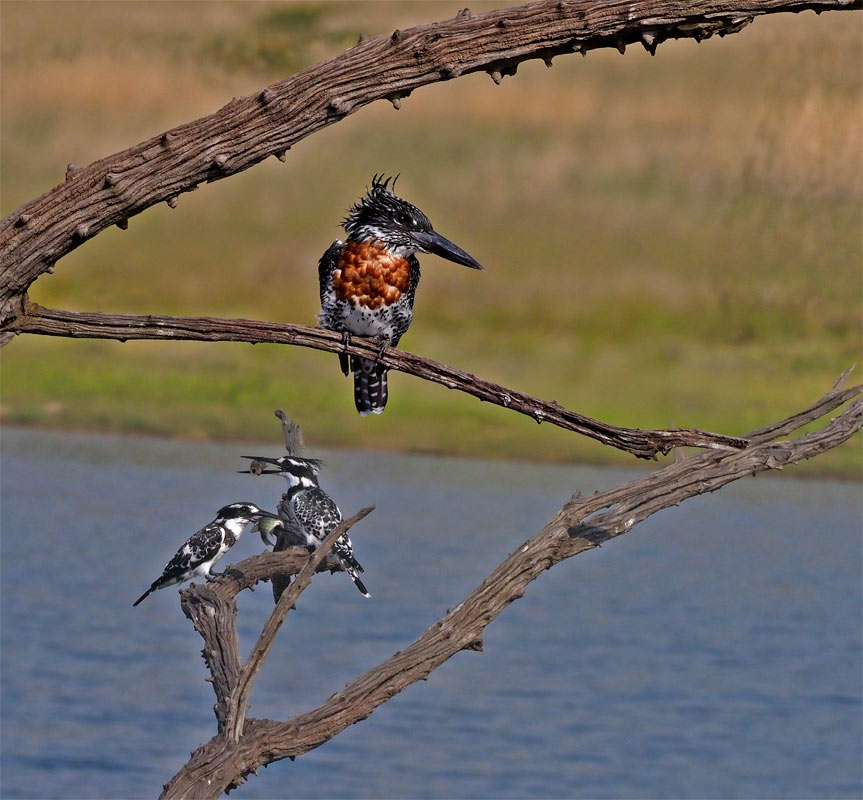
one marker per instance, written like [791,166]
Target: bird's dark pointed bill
[259,472]
[433,242]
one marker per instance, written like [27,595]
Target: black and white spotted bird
[368,282]
[204,548]
[309,511]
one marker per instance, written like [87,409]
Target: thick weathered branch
[249,129]
[238,704]
[212,608]
[580,525]
[639,442]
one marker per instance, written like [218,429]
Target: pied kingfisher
[368,282]
[205,547]
[310,512]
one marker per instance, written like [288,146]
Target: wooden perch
[638,442]
[213,610]
[580,525]
[212,607]
[389,67]
[238,702]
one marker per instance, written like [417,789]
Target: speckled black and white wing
[403,312]
[292,534]
[331,315]
[203,548]
[195,558]
[317,514]
[326,267]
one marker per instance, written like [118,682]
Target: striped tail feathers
[352,573]
[345,553]
[370,386]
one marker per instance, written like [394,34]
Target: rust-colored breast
[370,275]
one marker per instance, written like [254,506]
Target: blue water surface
[715,651]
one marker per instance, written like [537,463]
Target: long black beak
[259,471]
[432,242]
[262,458]
[256,467]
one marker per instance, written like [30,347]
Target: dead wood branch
[580,525]
[238,705]
[389,67]
[212,607]
[638,442]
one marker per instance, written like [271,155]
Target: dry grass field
[668,241]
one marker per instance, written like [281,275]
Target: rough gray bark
[580,525]
[214,613]
[249,129]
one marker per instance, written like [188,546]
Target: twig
[641,443]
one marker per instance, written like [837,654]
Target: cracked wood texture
[238,702]
[249,129]
[639,442]
[212,607]
[580,525]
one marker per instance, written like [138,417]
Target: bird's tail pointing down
[343,550]
[356,579]
[370,386]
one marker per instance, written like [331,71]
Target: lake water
[715,651]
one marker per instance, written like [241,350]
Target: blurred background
[668,241]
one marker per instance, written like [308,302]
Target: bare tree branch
[638,442]
[213,610]
[580,525]
[238,705]
[249,129]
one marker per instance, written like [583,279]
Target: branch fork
[212,607]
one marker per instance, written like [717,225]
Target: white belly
[364,321]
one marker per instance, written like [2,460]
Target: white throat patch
[236,526]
